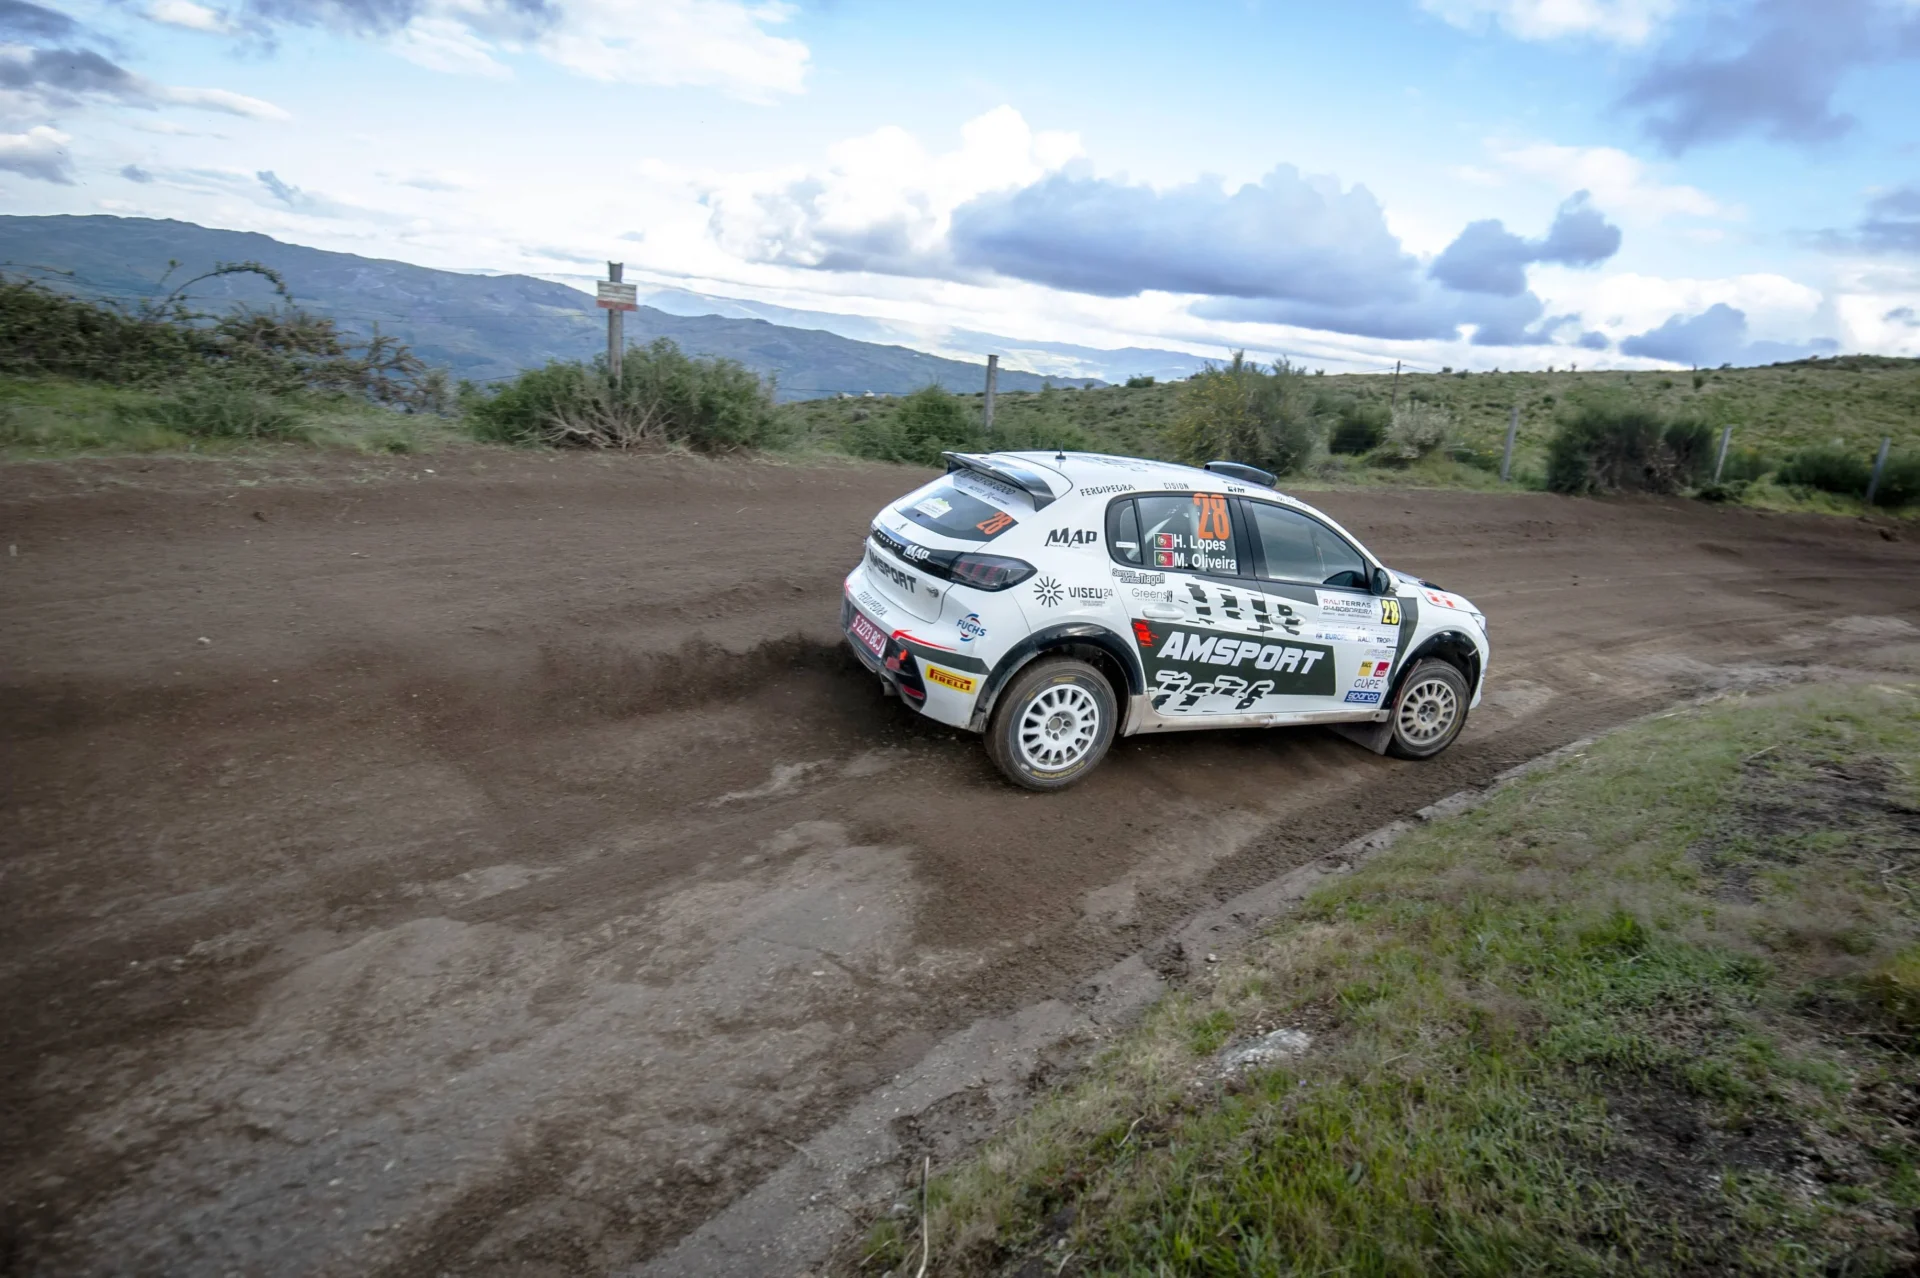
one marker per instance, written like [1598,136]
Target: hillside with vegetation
[79,374]
[1809,427]
[1852,401]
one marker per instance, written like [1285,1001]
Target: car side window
[1294,547]
[1189,532]
[1123,533]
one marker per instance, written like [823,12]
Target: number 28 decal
[1389,612]
[997,522]
[1212,522]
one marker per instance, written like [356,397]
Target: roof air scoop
[1234,470]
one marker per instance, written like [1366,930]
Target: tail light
[989,572]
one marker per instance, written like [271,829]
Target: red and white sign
[618,297]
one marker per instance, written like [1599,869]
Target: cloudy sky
[1473,183]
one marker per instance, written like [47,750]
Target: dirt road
[499,868]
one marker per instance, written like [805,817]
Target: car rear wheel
[1052,724]
[1429,710]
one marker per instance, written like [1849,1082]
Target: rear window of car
[966,506]
[1186,532]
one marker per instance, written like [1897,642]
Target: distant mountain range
[488,327]
[1059,360]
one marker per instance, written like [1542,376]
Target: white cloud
[1628,303]
[167,128]
[185,13]
[218,100]
[432,179]
[1618,21]
[40,152]
[1878,307]
[1621,183]
[445,44]
[719,44]
[883,198]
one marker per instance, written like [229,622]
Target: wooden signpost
[616,299]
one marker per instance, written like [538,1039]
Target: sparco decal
[903,580]
[970,628]
[1073,537]
[1048,592]
[1198,673]
[1364,698]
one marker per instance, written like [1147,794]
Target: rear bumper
[894,664]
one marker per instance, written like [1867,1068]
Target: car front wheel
[1429,711]
[1052,724]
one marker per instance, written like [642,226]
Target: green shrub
[1609,445]
[1744,465]
[1417,431]
[158,343]
[1358,427]
[918,428]
[1043,434]
[1487,459]
[1137,383]
[1246,414]
[1899,482]
[1829,468]
[664,397]
[1691,444]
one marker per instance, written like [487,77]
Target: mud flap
[1374,736]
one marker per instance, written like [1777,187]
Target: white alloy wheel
[1059,727]
[1429,711]
[1052,724]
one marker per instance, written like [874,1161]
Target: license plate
[867,635]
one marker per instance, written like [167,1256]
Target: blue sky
[1465,183]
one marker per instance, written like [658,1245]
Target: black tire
[1048,703]
[1429,710]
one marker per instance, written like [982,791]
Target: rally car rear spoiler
[1006,472]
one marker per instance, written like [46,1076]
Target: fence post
[1879,464]
[1720,462]
[1506,458]
[993,384]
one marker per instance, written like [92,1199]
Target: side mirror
[1382,582]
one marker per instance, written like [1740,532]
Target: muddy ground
[498,868]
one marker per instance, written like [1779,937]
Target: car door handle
[1163,614]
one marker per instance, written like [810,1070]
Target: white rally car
[1055,600]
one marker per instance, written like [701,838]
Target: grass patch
[1654,1011]
[60,417]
